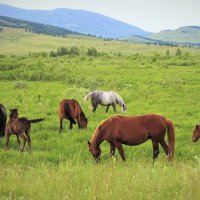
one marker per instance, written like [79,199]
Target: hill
[75,20]
[187,34]
[10,38]
[34,27]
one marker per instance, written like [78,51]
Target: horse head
[14,113]
[83,121]
[196,133]
[123,107]
[95,151]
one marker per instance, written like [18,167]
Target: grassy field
[60,166]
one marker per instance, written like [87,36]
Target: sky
[150,15]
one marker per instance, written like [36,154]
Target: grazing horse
[71,110]
[105,99]
[3,118]
[20,127]
[118,130]
[196,133]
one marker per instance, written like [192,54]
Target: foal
[20,127]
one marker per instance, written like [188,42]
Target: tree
[178,52]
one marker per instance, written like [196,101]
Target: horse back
[18,125]
[69,108]
[133,130]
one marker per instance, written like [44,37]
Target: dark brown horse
[118,130]
[20,127]
[3,118]
[71,110]
[196,133]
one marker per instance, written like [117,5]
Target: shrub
[167,52]
[74,51]
[20,85]
[62,51]
[178,52]
[92,52]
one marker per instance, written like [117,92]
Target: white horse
[105,99]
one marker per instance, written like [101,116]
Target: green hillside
[34,27]
[188,34]
[16,41]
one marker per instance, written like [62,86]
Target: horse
[133,130]
[196,133]
[3,118]
[20,127]
[70,109]
[105,99]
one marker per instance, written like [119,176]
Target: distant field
[60,166]
[18,42]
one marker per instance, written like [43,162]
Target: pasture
[61,166]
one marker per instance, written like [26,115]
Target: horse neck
[97,138]
[119,100]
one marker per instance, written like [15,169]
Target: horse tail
[36,120]
[68,113]
[88,96]
[171,138]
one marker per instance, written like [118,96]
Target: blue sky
[150,15]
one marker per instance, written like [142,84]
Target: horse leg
[120,150]
[112,149]
[107,108]
[155,149]
[61,122]
[164,146]
[71,125]
[114,107]
[94,106]
[7,139]
[24,137]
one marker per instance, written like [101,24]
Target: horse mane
[97,133]
[82,113]
[119,98]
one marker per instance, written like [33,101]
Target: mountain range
[81,21]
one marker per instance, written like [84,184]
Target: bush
[74,51]
[62,51]
[178,52]
[92,52]
[167,53]
[20,85]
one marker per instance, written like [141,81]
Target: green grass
[60,166]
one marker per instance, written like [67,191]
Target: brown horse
[20,127]
[118,130]
[71,110]
[196,133]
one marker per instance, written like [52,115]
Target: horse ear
[89,143]
[197,126]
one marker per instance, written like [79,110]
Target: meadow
[60,166]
